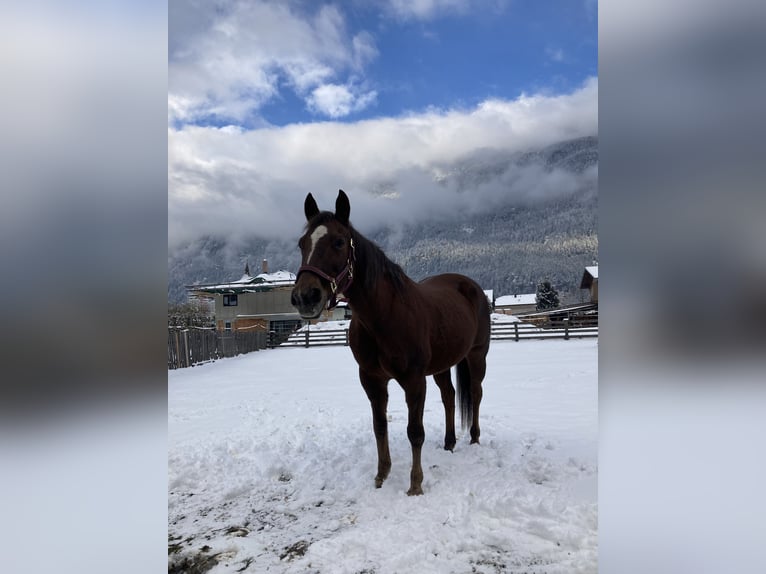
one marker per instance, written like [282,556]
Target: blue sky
[353,60]
[268,100]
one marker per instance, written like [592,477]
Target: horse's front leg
[415,393]
[376,388]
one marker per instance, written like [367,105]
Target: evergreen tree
[190,314]
[547,297]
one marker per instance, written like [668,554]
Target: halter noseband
[336,287]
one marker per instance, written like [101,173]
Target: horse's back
[445,286]
[461,300]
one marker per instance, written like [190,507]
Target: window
[229,300]
[227,326]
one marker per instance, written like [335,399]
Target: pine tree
[547,297]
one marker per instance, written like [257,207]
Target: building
[577,315]
[260,303]
[590,282]
[516,304]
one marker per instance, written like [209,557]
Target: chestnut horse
[399,329]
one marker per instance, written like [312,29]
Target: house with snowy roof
[590,282]
[516,304]
[253,303]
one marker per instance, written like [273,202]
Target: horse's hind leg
[377,391]
[477,367]
[415,394]
[444,380]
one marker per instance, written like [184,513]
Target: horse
[400,329]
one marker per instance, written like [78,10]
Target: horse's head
[327,257]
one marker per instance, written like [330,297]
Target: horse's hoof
[379,482]
[415,491]
[475,441]
[450,447]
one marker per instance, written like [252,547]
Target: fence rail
[499,332]
[519,331]
[189,346]
[317,338]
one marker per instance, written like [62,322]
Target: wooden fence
[190,346]
[519,331]
[500,332]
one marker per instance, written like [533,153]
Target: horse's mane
[377,265]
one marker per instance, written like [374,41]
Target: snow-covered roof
[589,276]
[525,299]
[490,293]
[276,277]
[264,280]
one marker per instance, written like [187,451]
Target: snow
[525,299]
[503,318]
[593,271]
[272,459]
[326,326]
[277,277]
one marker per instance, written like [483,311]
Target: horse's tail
[464,398]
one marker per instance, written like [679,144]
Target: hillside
[509,246]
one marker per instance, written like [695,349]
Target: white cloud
[426,9]
[365,50]
[239,182]
[230,59]
[555,54]
[431,9]
[337,101]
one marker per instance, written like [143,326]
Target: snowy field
[272,458]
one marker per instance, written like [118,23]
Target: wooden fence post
[346,337]
[516,330]
[186,346]
[566,328]
[307,337]
[177,349]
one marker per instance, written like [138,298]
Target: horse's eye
[338,243]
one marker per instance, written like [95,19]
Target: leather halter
[336,283]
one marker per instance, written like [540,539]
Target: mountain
[509,246]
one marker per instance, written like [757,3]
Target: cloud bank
[227,60]
[235,182]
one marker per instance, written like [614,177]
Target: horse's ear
[342,207]
[310,207]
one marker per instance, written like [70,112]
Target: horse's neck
[376,301]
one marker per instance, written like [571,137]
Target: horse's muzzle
[309,301]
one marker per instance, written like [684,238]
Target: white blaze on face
[318,233]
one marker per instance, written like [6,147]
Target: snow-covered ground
[272,459]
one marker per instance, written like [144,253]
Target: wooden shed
[516,304]
[590,282]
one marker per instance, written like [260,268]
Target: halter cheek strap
[338,284]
